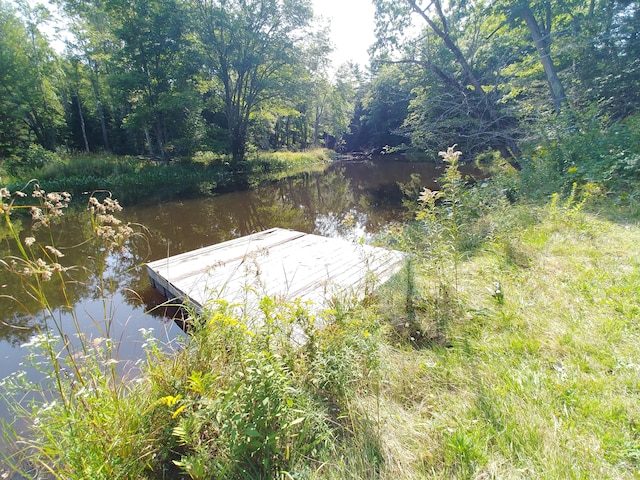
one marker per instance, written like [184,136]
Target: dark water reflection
[348,199]
[312,203]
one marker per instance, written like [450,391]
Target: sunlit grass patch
[132,179]
[538,385]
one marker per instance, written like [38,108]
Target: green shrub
[592,153]
[29,162]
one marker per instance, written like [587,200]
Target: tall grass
[132,179]
[76,371]
[534,382]
[238,399]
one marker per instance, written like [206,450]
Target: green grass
[540,385]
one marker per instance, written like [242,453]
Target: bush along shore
[507,348]
[133,179]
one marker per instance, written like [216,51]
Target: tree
[153,68]
[249,47]
[92,46]
[538,16]
[384,108]
[608,49]
[446,50]
[29,73]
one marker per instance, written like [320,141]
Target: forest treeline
[169,78]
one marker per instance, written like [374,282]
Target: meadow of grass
[507,348]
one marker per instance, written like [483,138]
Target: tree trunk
[161,142]
[316,128]
[147,136]
[103,122]
[542,41]
[103,127]
[238,145]
[82,125]
[287,132]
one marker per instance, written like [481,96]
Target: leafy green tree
[468,93]
[340,104]
[76,102]
[249,48]
[152,68]
[542,18]
[141,68]
[607,53]
[90,50]
[287,120]
[384,108]
[30,108]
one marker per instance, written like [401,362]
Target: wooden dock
[279,263]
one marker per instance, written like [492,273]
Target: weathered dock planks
[279,263]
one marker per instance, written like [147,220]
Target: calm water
[366,191]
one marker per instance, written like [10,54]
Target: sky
[352,28]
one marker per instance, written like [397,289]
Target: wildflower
[29,241]
[178,411]
[592,188]
[4,193]
[112,205]
[102,218]
[36,213]
[39,219]
[37,341]
[429,196]
[54,251]
[53,197]
[170,400]
[37,192]
[451,154]
[146,331]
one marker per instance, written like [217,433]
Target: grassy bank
[528,369]
[508,348]
[132,179]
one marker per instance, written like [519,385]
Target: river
[364,192]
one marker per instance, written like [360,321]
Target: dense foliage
[488,74]
[169,78]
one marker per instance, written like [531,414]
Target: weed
[434,242]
